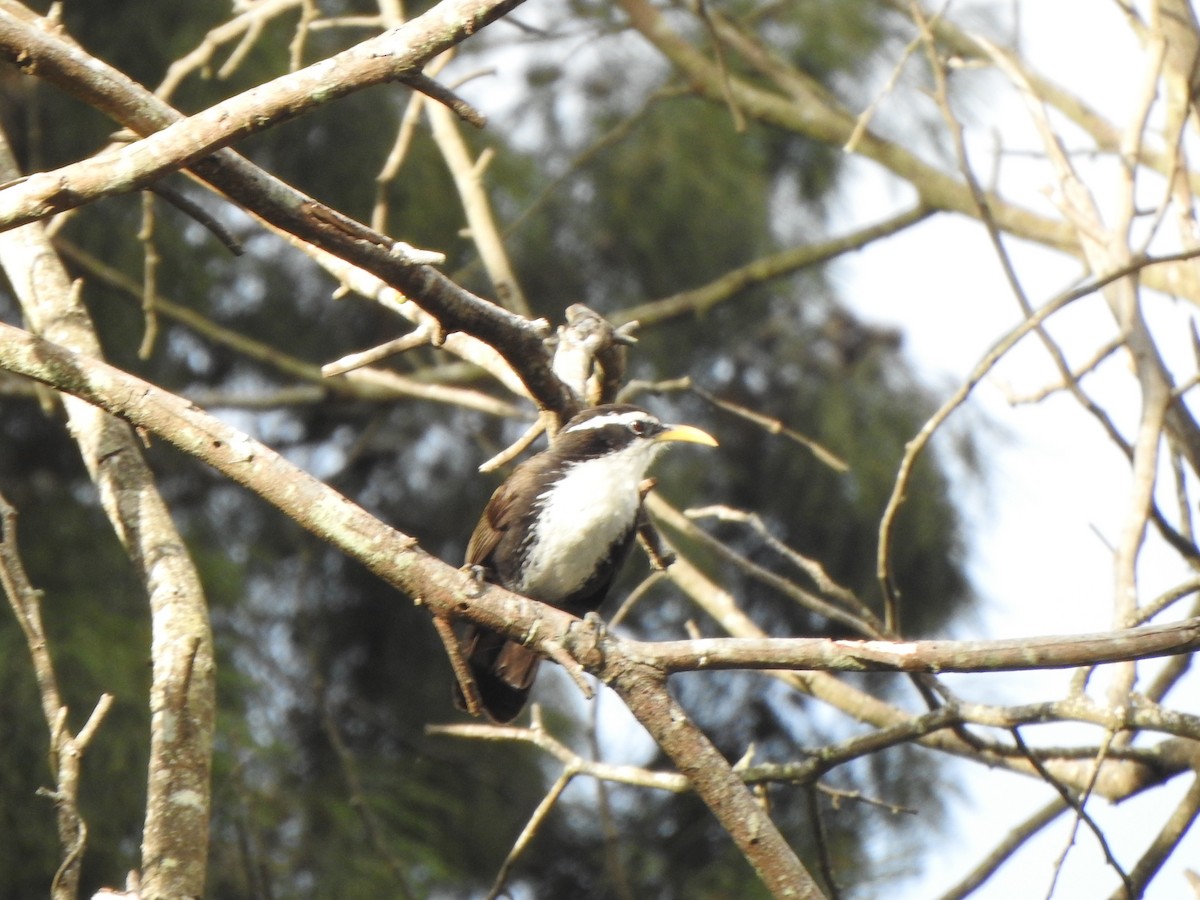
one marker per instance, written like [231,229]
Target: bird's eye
[638,428]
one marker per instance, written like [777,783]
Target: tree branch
[396,558]
[395,55]
[1012,655]
[516,339]
[66,750]
[636,669]
[182,690]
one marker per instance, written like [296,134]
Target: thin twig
[198,213]
[772,425]
[531,828]
[150,261]
[359,797]
[810,567]
[735,111]
[1082,814]
[419,337]
[613,864]
[468,179]
[516,448]
[400,146]
[66,750]
[820,838]
[468,689]
[864,118]
[660,509]
[995,353]
[446,97]
[1165,842]
[1003,851]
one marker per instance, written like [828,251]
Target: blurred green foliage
[314,651]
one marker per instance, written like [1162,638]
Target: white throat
[590,507]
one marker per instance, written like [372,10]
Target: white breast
[586,511]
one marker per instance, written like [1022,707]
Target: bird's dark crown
[603,429]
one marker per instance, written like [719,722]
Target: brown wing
[503,669]
[496,520]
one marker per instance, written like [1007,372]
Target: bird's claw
[596,623]
[479,575]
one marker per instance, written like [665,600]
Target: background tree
[674,166]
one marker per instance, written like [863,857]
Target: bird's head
[622,430]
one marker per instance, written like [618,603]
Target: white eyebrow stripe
[625,418]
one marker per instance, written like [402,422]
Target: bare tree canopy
[293,278]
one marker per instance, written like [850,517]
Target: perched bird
[557,530]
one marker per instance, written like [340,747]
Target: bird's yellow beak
[686,433]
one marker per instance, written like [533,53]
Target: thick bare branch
[644,690]
[797,103]
[1060,652]
[182,700]
[395,55]
[396,558]
[515,339]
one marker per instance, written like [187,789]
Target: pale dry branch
[799,104]
[445,590]
[1117,781]
[1003,851]
[1174,828]
[394,55]
[418,337]
[468,177]
[182,691]
[245,28]
[772,425]
[376,385]
[537,735]
[150,260]
[699,300]
[932,656]
[511,338]
[808,109]
[66,750]
[515,449]
[1107,248]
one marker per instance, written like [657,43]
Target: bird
[558,530]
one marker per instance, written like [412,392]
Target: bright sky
[1058,489]
[1040,533]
